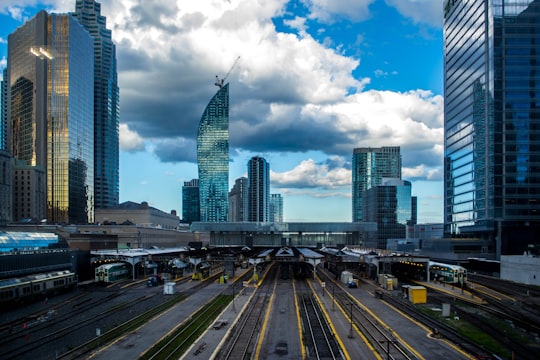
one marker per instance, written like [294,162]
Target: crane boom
[219,82]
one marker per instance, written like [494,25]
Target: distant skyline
[315,80]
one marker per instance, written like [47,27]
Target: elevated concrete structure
[312,235]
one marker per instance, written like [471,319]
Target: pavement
[134,344]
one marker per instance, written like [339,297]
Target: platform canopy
[26,241]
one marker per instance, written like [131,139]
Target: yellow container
[417,294]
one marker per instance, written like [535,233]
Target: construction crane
[219,82]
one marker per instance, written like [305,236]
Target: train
[452,274]
[110,273]
[32,287]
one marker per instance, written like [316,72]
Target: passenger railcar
[453,274]
[110,273]
[35,286]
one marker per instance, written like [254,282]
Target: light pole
[233,307]
[333,299]
[351,335]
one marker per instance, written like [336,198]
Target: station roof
[308,253]
[26,241]
[139,252]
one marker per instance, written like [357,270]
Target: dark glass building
[238,200]
[3,111]
[50,110]
[258,189]
[390,206]
[369,166]
[190,201]
[213,158]
[492,122]
[106,104]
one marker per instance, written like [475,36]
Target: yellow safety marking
[265,322]
[359,332]
[366,309]
[470,297]
[329,321]
[492,293]
[428,330]
[297,309]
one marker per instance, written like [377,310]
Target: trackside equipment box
[417,294]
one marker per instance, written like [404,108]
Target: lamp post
[351,335]
[233,307]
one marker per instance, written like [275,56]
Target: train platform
[209,343]
[454,290]
[132,345]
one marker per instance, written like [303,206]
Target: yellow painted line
[428,330]
[265,322]
[329,321]
[492,293]
[410,348]
[297,309]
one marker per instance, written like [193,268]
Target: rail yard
[279,308]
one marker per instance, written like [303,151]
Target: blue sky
[315,79]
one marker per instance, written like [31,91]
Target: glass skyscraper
[369,166]
[276,208]
[50,110]
[390,206]
[190,201]
[492,122]
[106,104]
[238,200]
[258,189]
[213,158]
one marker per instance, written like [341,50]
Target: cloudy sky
[314,80]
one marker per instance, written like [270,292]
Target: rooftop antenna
[219,82]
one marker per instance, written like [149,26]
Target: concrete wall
[521,268]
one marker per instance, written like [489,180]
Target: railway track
[380,337]
[242,341]
[43,333]
[317,331]
[488,319]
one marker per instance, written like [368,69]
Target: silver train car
[36,286]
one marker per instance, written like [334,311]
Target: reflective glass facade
[492,121]
[190,201]
[213,158]
[276,208]
[238,200]
[258,189]
[106,104]
[50,74]
[369,166]
[390,206]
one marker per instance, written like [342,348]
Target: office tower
[238,200]
[30,192]
[276,208]
[106,104]
[369,166]
[213,158]
[389,205]
[492,122]
[190,201]
[3,111]
[258,189]
[414,210]
[6,189]
[50,110]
